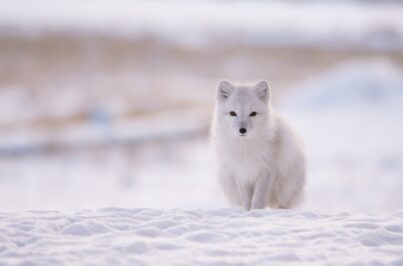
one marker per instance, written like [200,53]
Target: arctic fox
[260,162]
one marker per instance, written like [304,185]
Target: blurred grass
[67,77]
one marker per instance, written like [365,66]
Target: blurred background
[108,103]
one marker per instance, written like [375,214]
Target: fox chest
[247,163]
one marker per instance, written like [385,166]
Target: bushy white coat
[260,162]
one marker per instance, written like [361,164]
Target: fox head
[243,110]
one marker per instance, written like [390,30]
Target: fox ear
[224,90]
[263,90]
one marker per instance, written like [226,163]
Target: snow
[117,236]
[170,208]
[171,211]
[349,118]
[351,85]
[365,23]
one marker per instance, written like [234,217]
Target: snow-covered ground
[114,236]
[349,117]
[158,173]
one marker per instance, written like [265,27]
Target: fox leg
[261,192]
[245,193]
[294,200]
[230,189]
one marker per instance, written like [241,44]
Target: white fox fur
[261,165]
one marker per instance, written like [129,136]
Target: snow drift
[349,117]
[113,236]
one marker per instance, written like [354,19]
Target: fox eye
[232,113]
[253,114]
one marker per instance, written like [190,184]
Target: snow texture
[114,236]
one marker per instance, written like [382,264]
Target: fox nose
[242,130]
